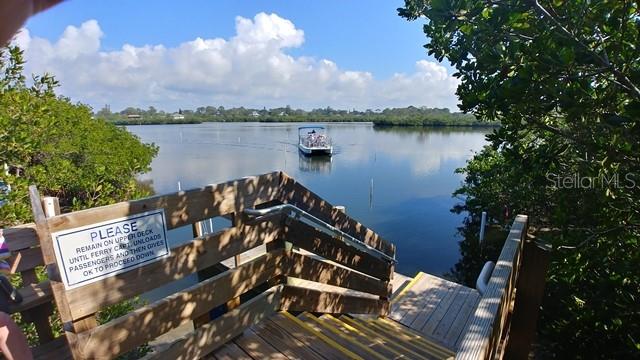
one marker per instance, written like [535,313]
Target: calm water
[412,172]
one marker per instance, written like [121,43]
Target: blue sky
[366,41]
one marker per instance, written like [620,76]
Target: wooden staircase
[315,284]
[325,336]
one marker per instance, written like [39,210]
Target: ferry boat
[313,140]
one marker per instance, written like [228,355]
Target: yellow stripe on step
[350,339]
[323,337]
[365,335]
[382,338]
[412,282]
[413,339]
[394,326]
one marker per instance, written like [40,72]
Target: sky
[171,54]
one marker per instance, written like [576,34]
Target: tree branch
[593,236]
[622,79]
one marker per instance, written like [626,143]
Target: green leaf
[567,55]
[466,29]
[439,5]
[486,12]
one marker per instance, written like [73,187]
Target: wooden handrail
[486,327]
[183,207]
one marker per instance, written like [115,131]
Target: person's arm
[14,13]
[13,343]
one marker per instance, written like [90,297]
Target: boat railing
[316,141]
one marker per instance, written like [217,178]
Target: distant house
[177,116]
[134,116]
[255,114]
[377,111]
[282,113]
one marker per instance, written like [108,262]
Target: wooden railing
[249,292]
[498,328]
[37,303]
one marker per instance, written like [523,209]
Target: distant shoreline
[440,125]
[153,122]
[410,116]
[375,123]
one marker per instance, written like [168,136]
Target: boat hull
[315,151]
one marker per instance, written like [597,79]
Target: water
[396,181]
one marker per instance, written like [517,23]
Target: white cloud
[251,69]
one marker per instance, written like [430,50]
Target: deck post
[71,328]
[40,315]
[530,289]
[51,207]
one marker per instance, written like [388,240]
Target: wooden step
[361,337]
[393,327]
[230,351]
[285,336]
[406,339]
[396,326]
[322,334]
[339,337]
[291,347]
[257,347]
[309,337]
[391,340]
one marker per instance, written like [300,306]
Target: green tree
[563,79]
[49,141]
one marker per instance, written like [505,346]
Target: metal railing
[296,213]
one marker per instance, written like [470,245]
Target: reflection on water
[397,181]
[317,164]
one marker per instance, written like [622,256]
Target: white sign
[90,253]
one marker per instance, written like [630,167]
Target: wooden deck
[437,308]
